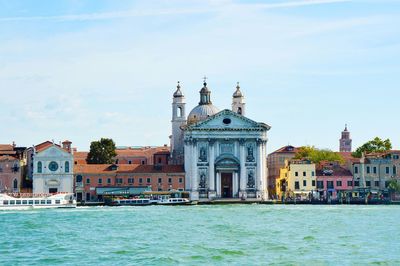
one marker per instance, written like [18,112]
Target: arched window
[39,167]
[179,111]
[67,167]
[239,110]
[15,184]
[79,178]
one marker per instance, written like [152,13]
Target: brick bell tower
[345,141]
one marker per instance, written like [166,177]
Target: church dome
[202,112]
[205,108]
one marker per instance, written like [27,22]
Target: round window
[226,121]
[53,166]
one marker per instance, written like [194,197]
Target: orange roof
[44,145]
[6,147]
[126,168]
[287,149]
[7,158]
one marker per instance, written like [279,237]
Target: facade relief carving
[250,153]
[250,179]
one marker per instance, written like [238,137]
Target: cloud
[165,11]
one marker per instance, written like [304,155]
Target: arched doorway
[227,169]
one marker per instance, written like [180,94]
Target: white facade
[53,170]
[225,157]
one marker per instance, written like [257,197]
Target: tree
[101,152]
[375,145]
[317,155]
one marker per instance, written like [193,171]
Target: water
[194,235]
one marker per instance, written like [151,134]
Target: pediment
[228,120]
[53,151]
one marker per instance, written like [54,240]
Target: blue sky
[82,70]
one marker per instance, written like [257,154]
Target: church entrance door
[226,185]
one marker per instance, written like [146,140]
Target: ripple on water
[231,234]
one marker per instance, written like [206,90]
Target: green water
[195,235]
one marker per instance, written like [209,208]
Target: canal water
[208,235]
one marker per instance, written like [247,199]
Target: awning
[119,191]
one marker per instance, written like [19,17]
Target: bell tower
[238,103]
[178,120]
[345,141]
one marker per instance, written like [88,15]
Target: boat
[130,202]
[25,201]
[174,201]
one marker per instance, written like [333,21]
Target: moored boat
[32,201]
[174,201]
[130,202]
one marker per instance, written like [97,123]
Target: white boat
[130,202]
[174,201]
[32,201]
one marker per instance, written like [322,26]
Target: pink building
[333,179]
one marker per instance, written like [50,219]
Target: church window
[239,111]
[39,167]
[67,167]
[15,184]
[226,121]
[179,111]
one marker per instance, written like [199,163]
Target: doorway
[226,185]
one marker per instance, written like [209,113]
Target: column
[194,177]
[188,165]
[211,160]
[259,169]
[242,176]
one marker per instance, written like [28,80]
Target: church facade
[224,152]
[53,169]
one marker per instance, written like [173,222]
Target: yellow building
[297,180]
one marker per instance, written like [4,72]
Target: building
[224,151]
[297,180]
[345,141]
[94,181]
[12,168]
[333,180]
[52,168]
[374,171]
[275,162]
[132,155]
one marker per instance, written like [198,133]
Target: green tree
[101,152]
[394,186]
[375,145]
[317,155]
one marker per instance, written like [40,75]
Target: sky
[82,70]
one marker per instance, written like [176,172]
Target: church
[224,152]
